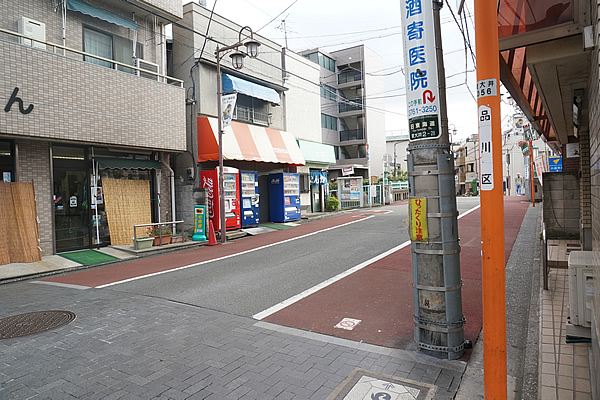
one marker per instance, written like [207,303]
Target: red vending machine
[210,180]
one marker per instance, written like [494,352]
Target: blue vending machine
[249,198]
[284,197]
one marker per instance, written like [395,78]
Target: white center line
[286,303]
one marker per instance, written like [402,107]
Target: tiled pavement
[565,367]
[124,346]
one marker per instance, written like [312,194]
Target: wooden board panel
[127,204]
[19,231]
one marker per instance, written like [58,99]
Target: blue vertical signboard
[421,70]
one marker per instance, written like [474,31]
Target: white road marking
[286,303]
[231,255]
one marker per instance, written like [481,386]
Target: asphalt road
[252,282]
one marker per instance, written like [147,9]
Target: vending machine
[249,198]
[210,181]
[284,197]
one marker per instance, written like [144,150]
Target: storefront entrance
[71,198]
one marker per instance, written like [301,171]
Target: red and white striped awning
[247,143]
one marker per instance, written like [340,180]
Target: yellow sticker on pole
[418,220]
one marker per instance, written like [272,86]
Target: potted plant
[162,234]
[177,238]
[143,242]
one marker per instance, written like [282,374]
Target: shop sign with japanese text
[418,220]
[420,70]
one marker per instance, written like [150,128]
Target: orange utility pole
[492,200]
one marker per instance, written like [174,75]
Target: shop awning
[234,84]
[85,8]
[124,163]
[317,152]
[247,143]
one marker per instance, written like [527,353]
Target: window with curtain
[111,47]
[98,44]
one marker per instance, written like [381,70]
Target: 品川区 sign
[420,70]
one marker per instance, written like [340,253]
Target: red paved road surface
[380,295]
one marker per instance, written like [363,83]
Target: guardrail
[399,194]
[161,78]
[161,226]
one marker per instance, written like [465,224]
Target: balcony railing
[242,113]
[351,76]
[113,64]
[350,105]
[353,134]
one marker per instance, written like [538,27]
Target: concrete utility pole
[437,298]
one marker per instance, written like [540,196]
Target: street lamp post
[395,158]
[237,60]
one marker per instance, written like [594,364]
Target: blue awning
[234,84]
[85,8]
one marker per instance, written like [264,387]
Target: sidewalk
[56,264]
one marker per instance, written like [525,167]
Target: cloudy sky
[335,24]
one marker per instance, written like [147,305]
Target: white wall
[302,100]
[375,116]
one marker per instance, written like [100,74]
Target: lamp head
[252,48]
[237,59]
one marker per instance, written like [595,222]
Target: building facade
[549,64]
[352,115]
[87,106]
[275,118]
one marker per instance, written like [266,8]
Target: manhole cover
[33,322]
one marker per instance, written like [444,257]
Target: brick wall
[77,101]
[34,164]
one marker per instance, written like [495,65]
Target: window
[328,92]
[250,109]
[328,122]
[324,61]
[111,47]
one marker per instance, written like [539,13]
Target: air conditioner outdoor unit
[147,66]
[35,30]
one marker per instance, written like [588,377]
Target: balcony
[349,77]
[350,105]
[247,114]
[352,134]
[78,101]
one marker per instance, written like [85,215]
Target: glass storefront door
[71,199]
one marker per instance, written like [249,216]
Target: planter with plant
[333,204]
[162,234]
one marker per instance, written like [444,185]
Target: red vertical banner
[492,201]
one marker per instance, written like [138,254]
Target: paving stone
[129,346]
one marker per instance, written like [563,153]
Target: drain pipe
[172,183]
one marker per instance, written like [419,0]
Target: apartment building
[89,115]
[352,116]
[466,166]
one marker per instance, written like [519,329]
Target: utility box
[35,30]
[581,287]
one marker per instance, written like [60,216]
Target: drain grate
[33,322]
